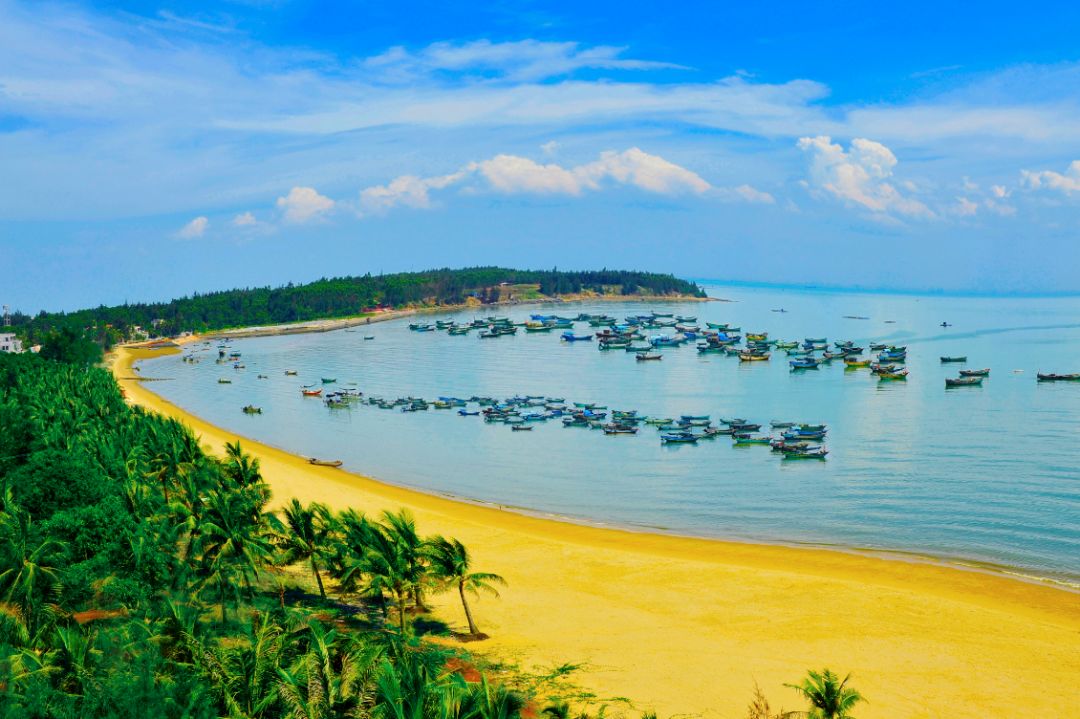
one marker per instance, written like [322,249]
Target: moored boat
[963,381]
[946,360]
[325,462]
[985,372]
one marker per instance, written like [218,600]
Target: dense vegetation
[141,577]
[339,297]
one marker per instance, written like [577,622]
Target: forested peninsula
[338,297]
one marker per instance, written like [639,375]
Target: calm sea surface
[988,474]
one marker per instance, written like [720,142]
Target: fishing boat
[753,357]
[757,336]
[325,462]
[467,413]
[901,374]
[781,425]
[311,392]
[222,380]
[808,453]
[946,360]
[571,337]
[369,337]
[521,428]
[855,363]
[290,372]
[1051,377]
[744,439]
[620,429]
[252,409]
[804,363]
[975,372]
[647,356]
[963,381]
[329,380]
[678,438]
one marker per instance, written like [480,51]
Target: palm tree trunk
[318,577]
[401,611]
[468,612]
[224,616]
[418,599]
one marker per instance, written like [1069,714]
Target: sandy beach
[686,626]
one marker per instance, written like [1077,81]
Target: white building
[9,343]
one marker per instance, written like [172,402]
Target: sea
[985,476]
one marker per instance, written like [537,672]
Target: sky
[150,150]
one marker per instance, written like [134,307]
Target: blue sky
[151,149]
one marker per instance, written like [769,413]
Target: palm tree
[303,536]
[829,696]
[233,545]
[450,561]
[401,527]
[332,679]
[26,579]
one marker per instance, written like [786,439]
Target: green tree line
[335,297]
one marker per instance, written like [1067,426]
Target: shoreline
[975,617]
[337,323]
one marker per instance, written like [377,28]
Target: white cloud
[550,147]
[513,174]
[195,228]
[523,60]
[244,219]
[859,176]
[999,208]
[1068,183]
[303,204]
[752,194]
[407,191]
[965,207]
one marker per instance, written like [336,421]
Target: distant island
[340,297]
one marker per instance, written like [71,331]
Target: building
[9,343]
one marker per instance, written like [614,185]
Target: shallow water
[984,474]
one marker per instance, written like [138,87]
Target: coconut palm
[332,679]
[27,580]
[450,560]
[401,527]
[303,535]
[232,545]
[829,696]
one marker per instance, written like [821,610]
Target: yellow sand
[686,626]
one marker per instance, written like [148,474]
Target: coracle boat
[325,462]
[963,381]
[946,360]
[1051,377]
[975,372]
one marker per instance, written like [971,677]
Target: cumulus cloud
[1067,183]
[244,219]
[858,176]
[195,228]
[513,174]
[965,207]
[304,204]
[406,191]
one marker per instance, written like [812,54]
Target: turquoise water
[984,474]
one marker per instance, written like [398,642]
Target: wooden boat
[571,337]
[290,372]
[311,392]
[781,425]
[902,374]
[678,438]
[945,360]
[521,428]
[853,363]
[224,381]
[975,372]
[620,429]
[647,356]
[325,462]
[753,357]
[757,336]
[251,409]
[808,453]
[329,380]
[1051,377]
[803,363]
[963,381]
[751,439]
[369,337]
